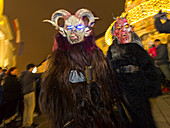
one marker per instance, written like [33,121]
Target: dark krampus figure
[76,89]
[136,73]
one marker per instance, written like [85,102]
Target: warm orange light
[129,2]
[108,34]
[1,7]
[147,9]
[1,22]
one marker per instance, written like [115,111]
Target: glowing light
[79,27]
[1,22]
[147,9]
[129,2]
[1,35]
[34,70]
[108,34]
[70,27]
[1,7]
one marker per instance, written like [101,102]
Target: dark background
[38,36]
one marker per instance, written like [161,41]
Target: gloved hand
[161,15]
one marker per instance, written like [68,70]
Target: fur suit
[135,70]
[72,102]
[138,85]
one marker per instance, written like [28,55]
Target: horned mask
[122,30]
[75,27]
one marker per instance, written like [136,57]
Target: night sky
[38,36]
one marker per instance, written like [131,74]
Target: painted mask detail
[122,30]
[75,28]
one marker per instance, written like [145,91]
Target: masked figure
[135,70]
[122,31]
[78,90]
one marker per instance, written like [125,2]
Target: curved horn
[56,15]
[85,12]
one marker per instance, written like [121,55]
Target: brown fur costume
[79,105]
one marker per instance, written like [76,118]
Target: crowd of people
[17,94]
[159,53]
[83,88]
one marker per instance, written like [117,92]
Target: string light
[108,35]
[147,9]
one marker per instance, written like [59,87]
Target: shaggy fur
[79,105]
[138,86]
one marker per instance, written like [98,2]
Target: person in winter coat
[27,80]
[162,60]
[152,49]
[11,91]
[11,86]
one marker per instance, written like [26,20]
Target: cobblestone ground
[161,110]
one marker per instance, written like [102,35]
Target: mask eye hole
[127,26]
[79,27]
[118,27]
[70,27]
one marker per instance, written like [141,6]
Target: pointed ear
[88,31]
[61,31]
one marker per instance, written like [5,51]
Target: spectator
[0,70]
[162,28]
[152,49]
[11,91]
[4,72]
[162,59]
[11,86]
[152,53]
[27,79]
